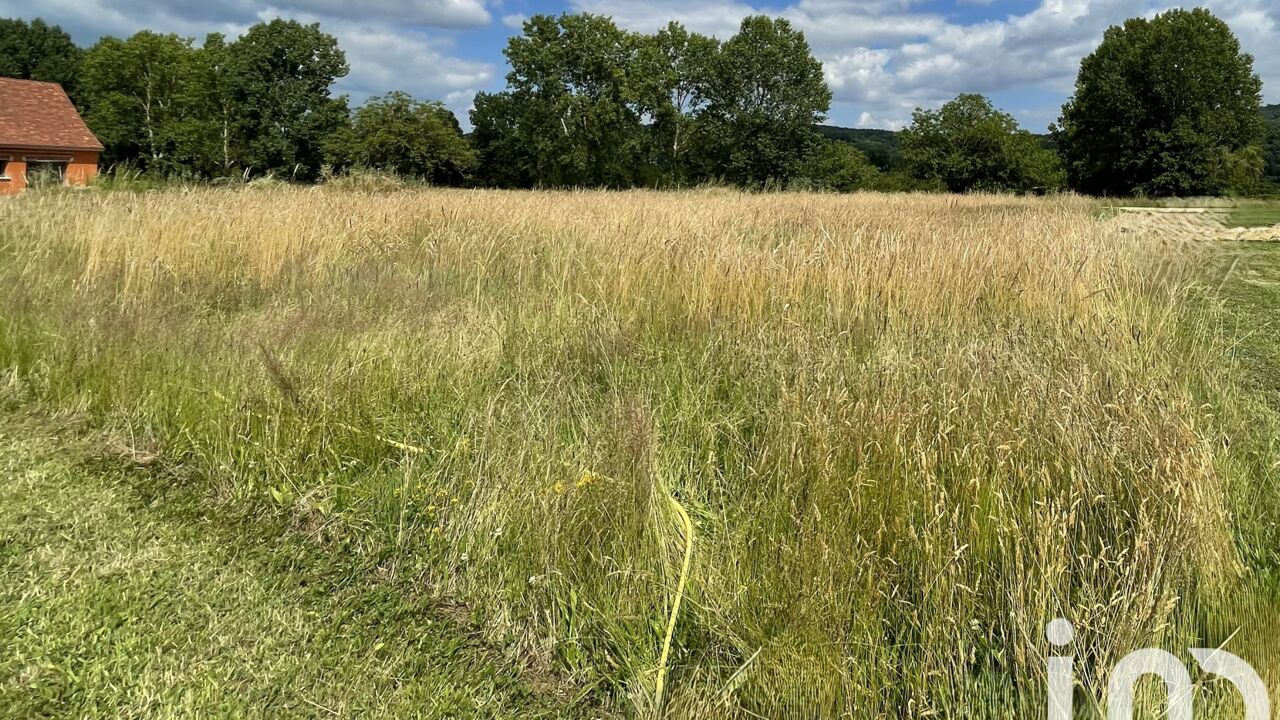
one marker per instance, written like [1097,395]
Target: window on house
[45,173]
[3,163]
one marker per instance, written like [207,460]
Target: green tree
[418,139]
[502,155]
[221,127]
[1164,106]
[968,144]
[570,117]
[142,99]
[280,75]
[1271,147]
[764,96]
[39,51]
[674,68]
[839,167]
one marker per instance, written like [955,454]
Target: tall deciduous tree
[674,68]
[142,98]
[503,156]
[968,144]
[39,51]
[763,98]
[222,136]
[1165,106]
[1271,145]
[281,74]
[418,139]
[571,104]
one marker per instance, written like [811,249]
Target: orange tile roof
[38,115]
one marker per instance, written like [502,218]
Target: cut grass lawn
[1248,275]
[1254,216]
[1246,212]
[119,603]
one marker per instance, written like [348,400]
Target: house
[42,137]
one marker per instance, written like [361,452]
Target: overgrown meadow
[908,430]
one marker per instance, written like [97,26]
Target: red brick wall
[81,168]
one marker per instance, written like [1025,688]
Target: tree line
[1167,105]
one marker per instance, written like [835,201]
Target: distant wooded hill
[882,147]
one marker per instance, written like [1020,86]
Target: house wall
[81,167]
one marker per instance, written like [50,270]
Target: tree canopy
[571,85]
[39,51]
[838,167]
[281,73]
[968,144]
[765,94]
[1165,106]
[398,134]
[140,95]
[590,104]
[675,66]
[260,104]
[1271,145]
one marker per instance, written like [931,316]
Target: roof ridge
[6,78]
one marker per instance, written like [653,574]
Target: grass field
[121,596]
[1254,216]
[908,430]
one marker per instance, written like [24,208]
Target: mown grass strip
[122,595]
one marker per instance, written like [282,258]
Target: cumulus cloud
[383,58]
[389,44]
[883,58]
[709,17]
[88,20]
[432,13]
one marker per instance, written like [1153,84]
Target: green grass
[1261,215]
[1243,283]
[123,596]
[1232,213]
[908,430]
[1248,276]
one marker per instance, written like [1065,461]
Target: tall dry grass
[910,430]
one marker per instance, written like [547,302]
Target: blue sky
[882,58]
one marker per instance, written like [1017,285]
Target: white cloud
[711,17]
[883,58]
[88,20]
[386,52]
[383,58]
[432,13]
